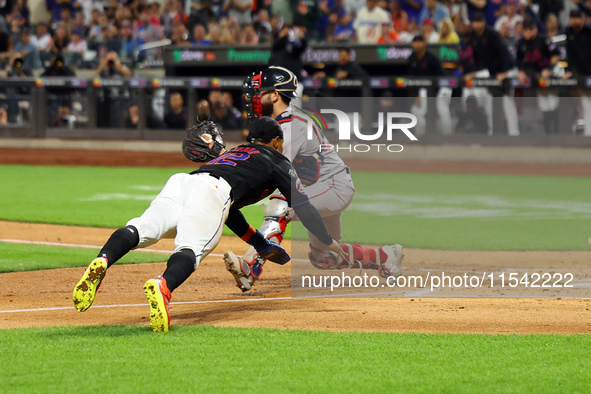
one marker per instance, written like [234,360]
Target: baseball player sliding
[326,179]
[194,207]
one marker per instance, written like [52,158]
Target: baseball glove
[203,143]
[308,168]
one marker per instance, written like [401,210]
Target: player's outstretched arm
[265,248]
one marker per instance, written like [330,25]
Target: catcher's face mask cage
[251,95]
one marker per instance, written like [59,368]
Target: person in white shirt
[510,16]
[77,44]
[368,23]
[43,39]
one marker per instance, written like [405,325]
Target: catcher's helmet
[280,79]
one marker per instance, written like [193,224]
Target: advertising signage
[362,54]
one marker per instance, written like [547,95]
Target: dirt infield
[43,298]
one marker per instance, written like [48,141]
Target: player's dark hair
[286,100]
[264,140]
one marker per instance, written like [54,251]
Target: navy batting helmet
[280,79]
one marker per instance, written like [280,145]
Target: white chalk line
[416,293]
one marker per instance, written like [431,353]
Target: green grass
[84,196]
[19,257]
[471,212]
[431,211]
[209,359]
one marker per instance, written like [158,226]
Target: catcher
[193,208]
[326,179]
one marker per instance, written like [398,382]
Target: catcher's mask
[251,95]
[275,78]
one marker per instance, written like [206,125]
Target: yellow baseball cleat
[158,296]
[86,288]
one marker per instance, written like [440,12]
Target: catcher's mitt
[203,143]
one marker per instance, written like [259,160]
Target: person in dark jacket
[578,53]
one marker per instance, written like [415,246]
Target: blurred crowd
[110,36]
[85,32]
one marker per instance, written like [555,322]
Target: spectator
[18,105]
[494,9]
[389,35]
[412,8]
[536,57]
[344,30]
[16,24]
[127,44]
[177,117]
[239,10]
[180,36]
[578,50]
[249,36]
[307,15]
[180,17]
[546,7]
[215,96]
[429,33]
[64,117]
[168,17]
[552,26]
[229,101]
[510,15]
[215,34]
[18,70]
[328,9]
[77,44]
[111,66]
[368,23]
[283,9]
[111,42]
[505,31]
[200,36]
[22,8]
[132,119]
[263,27]
[492,59]
[423,63]
[348,69]
[223,118]
[157,13]
[199,12]
[80,23]
[473,120]
[57,68]
[203,110]
[447,33]
[476,7]
[584,6]
[66,18]
[398,15]
[145,31]
[287,50]
[6,45]
[61,39]
[95,29]
[28,51]
[3,117]
[276,25]
[216,9]
[433,10]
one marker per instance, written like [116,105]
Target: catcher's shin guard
[277,216]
